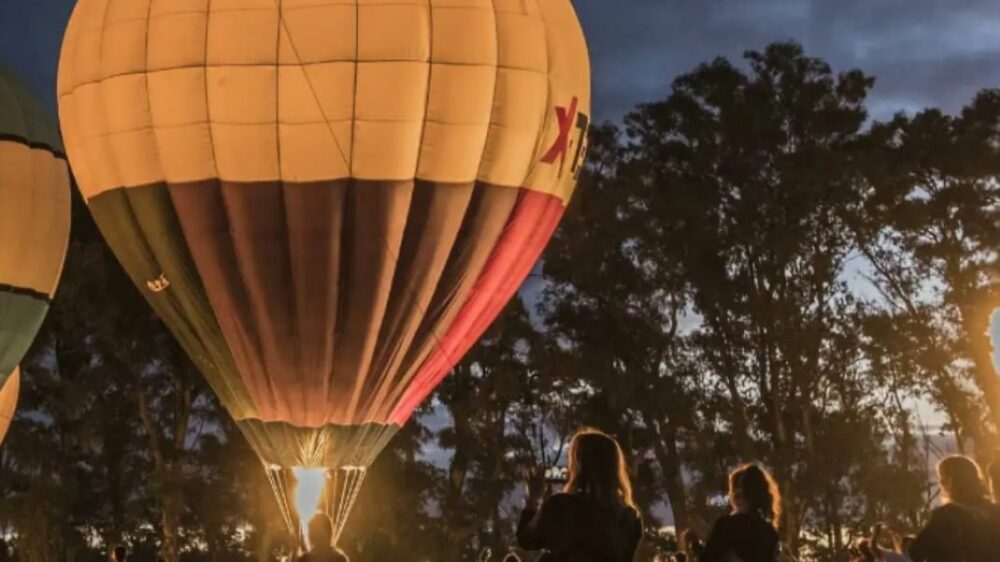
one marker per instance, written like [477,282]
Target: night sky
[923,52]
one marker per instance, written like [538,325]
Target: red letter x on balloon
[565,118]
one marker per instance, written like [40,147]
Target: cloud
[923,52]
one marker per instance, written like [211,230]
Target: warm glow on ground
[308,490]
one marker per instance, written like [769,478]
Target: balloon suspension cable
[276,476]
[343,487]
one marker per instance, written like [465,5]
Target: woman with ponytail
[749,532]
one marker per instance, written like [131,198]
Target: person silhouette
[964,527]
[321,538]
[749,531]
[594,519]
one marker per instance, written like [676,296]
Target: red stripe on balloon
[530,228]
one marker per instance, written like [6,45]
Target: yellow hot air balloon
[328,201]
[34,227]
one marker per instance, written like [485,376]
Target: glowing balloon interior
[308,492]
[328,202]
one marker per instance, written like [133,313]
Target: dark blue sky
[923,52]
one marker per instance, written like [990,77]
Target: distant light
[308,491]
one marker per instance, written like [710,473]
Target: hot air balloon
[327,201]
[34,227]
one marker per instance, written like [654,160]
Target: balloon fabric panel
[8,401]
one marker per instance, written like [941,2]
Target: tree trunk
[170,547]
[975,325]
[166,470]
[668,457]
[458,470]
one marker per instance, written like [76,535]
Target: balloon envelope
[34,221]
[8,401]
[328,202]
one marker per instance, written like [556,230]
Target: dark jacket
[745,535]
[960,533]
[576,528]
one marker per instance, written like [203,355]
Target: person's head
[753,490]
[679,557]
[597,468]
[511,557]
[121,553]
[961,480]
[320,531]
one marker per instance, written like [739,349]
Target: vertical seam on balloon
[357,89]
[149,98]
[496,90]
[427,93]
[64,78]
[277,89]
[292,302]
[208,106]
[540,137]
[67,214]
[110,159]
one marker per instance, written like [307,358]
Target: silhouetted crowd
[594,518]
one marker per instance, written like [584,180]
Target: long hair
[597,469]
[753,488]
[961,480]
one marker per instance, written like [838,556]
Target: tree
[614,306]
[754,171]
[932,231]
